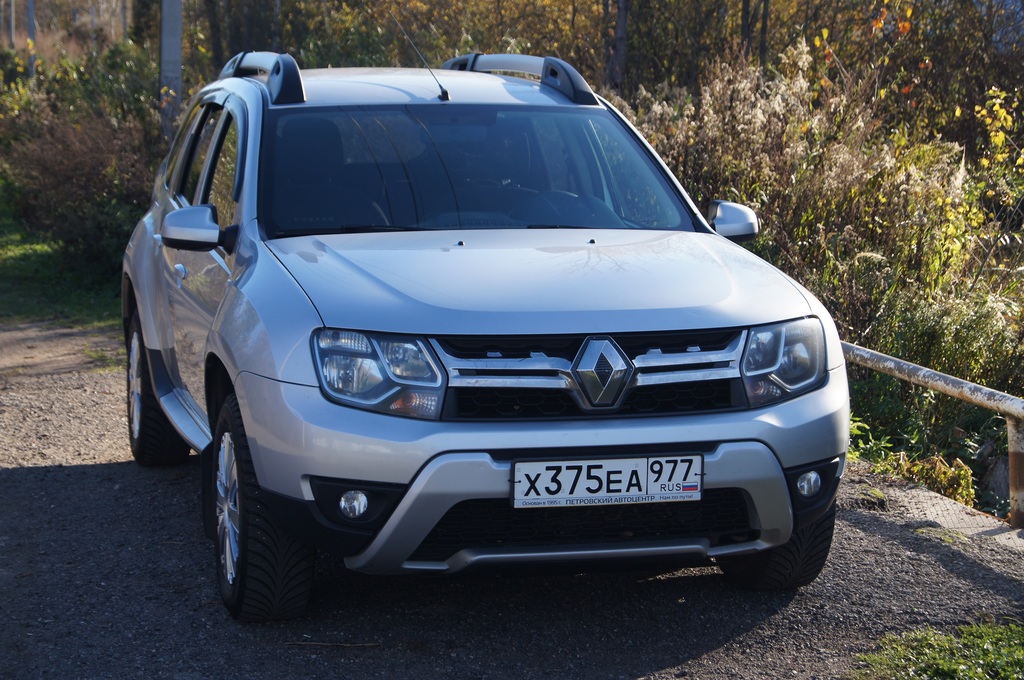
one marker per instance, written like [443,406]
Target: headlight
[392,374]
[783,360]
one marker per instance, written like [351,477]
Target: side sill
[193,432]
[196,433]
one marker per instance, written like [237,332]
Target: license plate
[541,484]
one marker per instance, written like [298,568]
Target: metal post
[1015,442]
[170,64]
[12,24]
[30,19]
[1009,406]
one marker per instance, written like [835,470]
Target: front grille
[721,516]
[480,403]
[686,397]
[541,377]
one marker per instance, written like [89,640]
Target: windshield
[458,167]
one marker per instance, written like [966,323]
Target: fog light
[353,504]
[808,484]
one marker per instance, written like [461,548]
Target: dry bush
[850,210]
[890,232]
[79,145]
[84,183]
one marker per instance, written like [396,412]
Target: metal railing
[1012,408]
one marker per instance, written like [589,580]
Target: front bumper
[423,470]
[449,479]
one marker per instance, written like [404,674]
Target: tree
[213,20]
[145,20]
[616,57]
[748,20]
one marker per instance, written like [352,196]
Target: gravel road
[105,572]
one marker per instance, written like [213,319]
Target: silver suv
[433,320]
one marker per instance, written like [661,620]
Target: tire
[263,574]
[789,566]
[154,441]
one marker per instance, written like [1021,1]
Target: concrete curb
[948,514]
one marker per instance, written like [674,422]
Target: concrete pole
[170,64]
[1015,442]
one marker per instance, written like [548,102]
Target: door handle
[180,272]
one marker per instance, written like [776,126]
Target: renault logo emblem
[602,371]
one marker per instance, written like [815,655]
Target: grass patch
[104,358]
[947,536]
[34,286]
[980,652]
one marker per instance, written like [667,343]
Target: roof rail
[283,78]
[552,72]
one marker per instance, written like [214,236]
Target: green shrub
[11,67]
[954,480]
[976,337]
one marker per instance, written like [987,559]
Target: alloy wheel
[135,386]
[227,508]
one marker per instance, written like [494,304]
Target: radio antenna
[444,96]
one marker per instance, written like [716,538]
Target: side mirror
[733,221]
[196,228]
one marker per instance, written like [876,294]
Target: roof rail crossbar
[283,78]
[552,72]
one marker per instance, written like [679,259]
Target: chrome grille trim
[540,371]
[724,364]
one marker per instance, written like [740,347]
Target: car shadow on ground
[605,624]
[105,571]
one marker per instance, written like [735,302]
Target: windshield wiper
[369,228]
[347,229]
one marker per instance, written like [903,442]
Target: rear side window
[459,167]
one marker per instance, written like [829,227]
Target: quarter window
[204,142]
[223,171]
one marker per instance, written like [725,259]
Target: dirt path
[105,572]
[60,396]
[44,349]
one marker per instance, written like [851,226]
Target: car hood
[536,281]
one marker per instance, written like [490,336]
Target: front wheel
[262,572]
[789,566]
[154,441]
